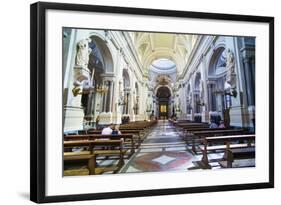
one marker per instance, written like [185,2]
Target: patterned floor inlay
[162,150]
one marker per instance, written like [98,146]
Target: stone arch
[158,86]
[217,59]
[216,75]
[100,63]
[163,94]
[102,54]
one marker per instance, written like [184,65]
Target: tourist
[108,130]
[116,130]
[221,124]
[213,124]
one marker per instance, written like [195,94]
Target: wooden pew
[195,124]
[194,127]
[188,132]
[228,144]
[76,157]
[89,137]
[115,148]
[136,133]
[200,135]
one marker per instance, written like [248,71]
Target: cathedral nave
[179,102]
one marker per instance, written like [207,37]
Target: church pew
[73,157]
[137,133]
[89,137]
[190,124]
[181,128]
[187,132]
[114,148]
[231,148]
[141,124]
[200,135]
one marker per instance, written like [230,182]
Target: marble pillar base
[205,116]
[189,117]
[73,119]
[238,117]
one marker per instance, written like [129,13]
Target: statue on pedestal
[83,52]
[81,71]
[230,66]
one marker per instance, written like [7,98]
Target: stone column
[111,108]
[104,99]
[249,81]
[108,96]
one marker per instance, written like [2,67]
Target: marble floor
[162,150]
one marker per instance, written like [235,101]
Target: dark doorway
[163,97]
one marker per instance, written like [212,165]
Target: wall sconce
[87,90]
[77,91]
[231,92]
[201,104]
[101,89]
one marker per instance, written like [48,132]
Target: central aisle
[162,150]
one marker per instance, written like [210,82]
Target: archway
[163,95]
[218,101]
[100,62]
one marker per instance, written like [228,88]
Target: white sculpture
[83,51]
[81,71]
[230,66]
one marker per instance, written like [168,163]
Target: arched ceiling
[153,46]
[163,92]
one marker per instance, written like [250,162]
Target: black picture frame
[38,100]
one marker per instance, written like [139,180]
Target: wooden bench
[136,133]
[227,144]
[191,124]
[198,136]
[182,128]
[115,148]
[89,137]
[188,132]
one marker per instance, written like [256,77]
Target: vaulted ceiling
[153,46]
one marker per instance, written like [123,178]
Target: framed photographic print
[129,102]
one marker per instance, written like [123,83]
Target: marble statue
[83,51]
[82,74]
[230,66]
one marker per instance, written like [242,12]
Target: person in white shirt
[107,130]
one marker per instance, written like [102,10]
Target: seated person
[221,124]
[107,130]
[213,124]
[116,130]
